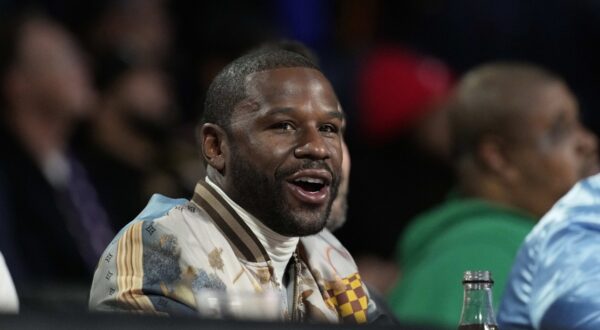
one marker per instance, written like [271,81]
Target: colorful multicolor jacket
[176,248]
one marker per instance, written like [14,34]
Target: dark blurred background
[151,62]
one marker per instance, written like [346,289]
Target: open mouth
[310,186]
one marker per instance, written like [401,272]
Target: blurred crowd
[99,104]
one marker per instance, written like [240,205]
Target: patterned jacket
[161,261]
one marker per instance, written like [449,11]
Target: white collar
[280,248]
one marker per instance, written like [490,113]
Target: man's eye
[561,130]
[329,128]
[285,126]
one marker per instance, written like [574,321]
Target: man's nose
[312,145]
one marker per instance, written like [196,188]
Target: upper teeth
[311,180]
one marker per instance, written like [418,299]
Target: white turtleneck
[280,248]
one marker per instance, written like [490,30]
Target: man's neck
[280,248]
[492,190]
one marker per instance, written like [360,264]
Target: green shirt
[461,234]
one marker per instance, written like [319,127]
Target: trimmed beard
[263,197]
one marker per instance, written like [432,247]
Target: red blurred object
[396,88]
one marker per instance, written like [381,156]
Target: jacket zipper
[295,311]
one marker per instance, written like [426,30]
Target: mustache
[306,164]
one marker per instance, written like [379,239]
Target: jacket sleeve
[566,290]
[140,271]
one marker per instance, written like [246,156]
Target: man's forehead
[277,75]
[286,84]
[251,107]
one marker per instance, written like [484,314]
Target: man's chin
[299,227]
[307,231]
[592,168]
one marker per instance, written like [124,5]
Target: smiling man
[271,138]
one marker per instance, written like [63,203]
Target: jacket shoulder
[148,266]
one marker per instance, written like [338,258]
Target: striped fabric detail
[243,241]
[130,270]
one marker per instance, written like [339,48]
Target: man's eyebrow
[558,122]
[284,111]
[334,114]
[337,114]
[562,116]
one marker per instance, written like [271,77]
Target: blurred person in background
[402,125]
[58,227]
[130,147]
[339,208]
[337,219]
[518,146]
[554,282]
[135,30]
[135,144]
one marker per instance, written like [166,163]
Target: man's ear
[492,153]
[214,145]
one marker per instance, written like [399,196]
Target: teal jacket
[461,234]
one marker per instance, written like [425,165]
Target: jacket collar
[241,238]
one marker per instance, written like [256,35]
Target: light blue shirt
[555,280]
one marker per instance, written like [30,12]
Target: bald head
[517,138]
[492,99]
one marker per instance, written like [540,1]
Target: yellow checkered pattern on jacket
[349,298]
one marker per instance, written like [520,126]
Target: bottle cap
[477,276]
